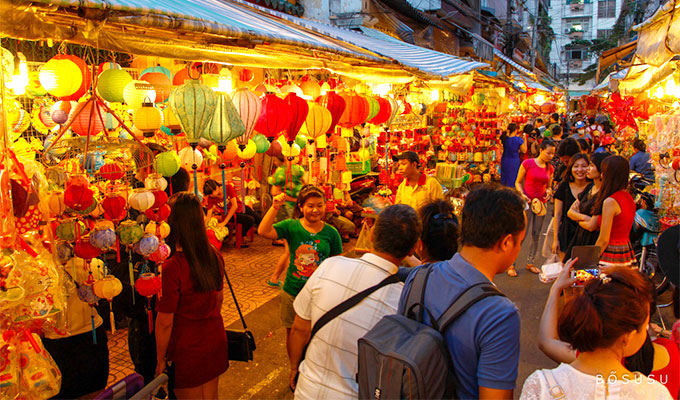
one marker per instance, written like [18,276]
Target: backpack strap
[554,388]
[470,296]
[416,294]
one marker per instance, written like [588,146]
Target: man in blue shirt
[639,162]
[483,341]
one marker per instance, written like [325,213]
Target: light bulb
[434,96]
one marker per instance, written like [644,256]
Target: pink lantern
[249,107]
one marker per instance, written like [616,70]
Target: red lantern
[148,285]
[85,121]
[111,171]
[356,110]
[78,197]
[182,75]
[114,207]
[246,75]
[275,116]
[299,110]
[85,250]
[384,113]
[408,109]
[159,215]
[160,198]
[161,84]
[161,254]
[85,71]
[336,105]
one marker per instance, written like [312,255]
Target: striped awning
[512,63]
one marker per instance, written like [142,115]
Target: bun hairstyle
[608,308]
[306,193]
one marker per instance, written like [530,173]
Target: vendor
[417,189]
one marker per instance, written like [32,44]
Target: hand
[564,279]
[555,246]
[292,379]
[160,366]
[279,200]
[575,206]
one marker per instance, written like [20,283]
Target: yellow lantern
[136,92]
[248,152]
[108,288]
[321,142]
[318,120]
[53,203]
[61,77]
[148,119]
[311,88]
[161,230]
[290,151]
[170,120]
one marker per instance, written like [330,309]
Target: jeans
[534,227]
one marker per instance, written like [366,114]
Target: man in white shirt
[330,365]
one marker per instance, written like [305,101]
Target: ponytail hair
[608,308]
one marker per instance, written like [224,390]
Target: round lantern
[301,140]
[194,105]
[70,229]
[136,92]
[299,109]
[226,124]
[160,198]
[111,171]
[248,151]
[249,107]
[114,206]
[85,74]
[230,151]
[105,66]
[129,232]
[103,238]
[292,89]
[141,199]
[159,69]
[161,85]
[146,245]
[160,229]
[190,156]
[60,77]
[168,163]
[318,120]
[182,76]
[160,213]
[148,118]
[290,151]
[85,250]
[246,75]
[275,116]
[311,88]
[261,143]
[384,112]
[155,181]
[336,105]
[356,110]
[274,149]
[53,203]
[161,254]
[373,107]
[78,197]
[107,287]
[170,121]
[148,284]
[64,252]
[111,84]
[85,119]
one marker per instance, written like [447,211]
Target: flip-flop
[273,284]
[512,272]
[533,269]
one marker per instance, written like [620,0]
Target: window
[604,33]
[575,54]
[606,9]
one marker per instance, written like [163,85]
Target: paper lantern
[230,151]
[336,105]
[114,206]
[301,140]
[311,88]
[91,162]
[70,229]
[160,198]
[129,232]
[155,181]
[78,197]
[246,75]
[105,66]
[85,119]
[136,92]
[103,238]
[148,284]
[111,84]
[356,110]
[321,142]
[53,203]
[226,124]
[384,112]
[249,107]
[190,157]
[275,116]
[111,171]
[261,143]
[373,107]
[158,228]
[107,287]
[318,120]
[182,76]
[194,105]
[291,88]
[161,254]
[159,69]
[274,150]
[141,199]
[146,245]
[298,113]
[248,151]
[85,74]
[148,118]
[168,163]
[160,213]
[161,85]
[60,77]
[85,250]
[290,151]
[170,121]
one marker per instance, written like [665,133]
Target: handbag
[241,342]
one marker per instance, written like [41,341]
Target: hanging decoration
[194,105]
[336,105]
[299,110]
[275,116]
[249,107]
[226,124]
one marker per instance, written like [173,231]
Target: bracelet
[276,207]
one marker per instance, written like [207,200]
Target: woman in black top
[574,181]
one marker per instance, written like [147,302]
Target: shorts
[287,310]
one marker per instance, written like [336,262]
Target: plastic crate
[359,167]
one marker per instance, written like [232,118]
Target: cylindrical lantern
[114,206]
[148,118]
[298,113]
[136,92]
[168,163]
[170,121]
[111,84]
[190,156]
[336,105]
[141,199]
[249,107]
[318,120]
[275,116]
[60,77]
[155,181]
[129,232]
[226,124]
[86,121]
[194,105]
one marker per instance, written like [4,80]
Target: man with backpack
[456,335]
[341,301]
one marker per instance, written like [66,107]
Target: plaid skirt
[618,255]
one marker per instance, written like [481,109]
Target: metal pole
[534,33]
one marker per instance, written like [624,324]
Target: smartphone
[582,276]
[586,267]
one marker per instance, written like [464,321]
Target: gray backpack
[403,358]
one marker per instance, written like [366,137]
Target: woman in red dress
[189,327]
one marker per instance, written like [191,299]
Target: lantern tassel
[132,275]
[243,192]
[150,314]
[224,187]
[112,320]
[94,331]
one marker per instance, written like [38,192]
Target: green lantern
[168,163]
[111,84]
[194,105]
[129,232]
[70,229]
[373,107]
[226,124]
[301,140]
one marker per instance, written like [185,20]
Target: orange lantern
[311,88]
[161,84]
[246,75]
[356,110]
[86,121]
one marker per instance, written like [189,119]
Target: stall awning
[611,56]
[512,63]
[659,36]
[641,77]
[604,85]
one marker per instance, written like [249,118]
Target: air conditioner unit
[577,7]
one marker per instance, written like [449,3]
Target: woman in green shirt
[309,238]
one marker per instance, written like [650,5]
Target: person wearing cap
[417,189]
[581,132]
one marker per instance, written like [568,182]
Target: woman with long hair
[614,214]
[574,182]
[513,145]
[604,324]
[189,327]
[534,182]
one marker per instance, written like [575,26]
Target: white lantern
[141,199]
[155,181]
[190,156]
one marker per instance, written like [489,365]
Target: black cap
[407,155]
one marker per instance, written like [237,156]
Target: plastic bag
[546,250]
[364,240]
[551,268]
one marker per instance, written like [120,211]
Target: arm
[548,339]
[574,213]
[523,146]
[298,339]
[590,223]
[231,211]
[488,393]
[557,219]
[521,174]
[163,327]
[610,209]
[277,190]
[266,228]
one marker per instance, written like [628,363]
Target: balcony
[578,9]
[575,34]
[576,64]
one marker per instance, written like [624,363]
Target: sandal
[512,271]
[274,284]
[532,268]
